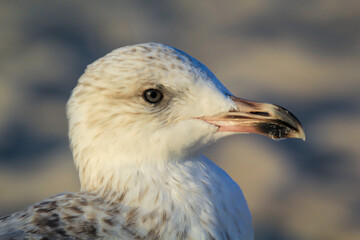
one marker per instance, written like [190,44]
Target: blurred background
[302,55]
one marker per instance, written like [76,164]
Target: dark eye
[152,95]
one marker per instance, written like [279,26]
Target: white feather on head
[111,126]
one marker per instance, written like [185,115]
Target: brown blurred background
[303,55]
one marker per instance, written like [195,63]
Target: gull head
[151,103]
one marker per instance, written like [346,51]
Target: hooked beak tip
[262,118]
[301,134]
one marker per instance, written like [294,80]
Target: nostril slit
[264,114]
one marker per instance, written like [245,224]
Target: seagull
[139,118]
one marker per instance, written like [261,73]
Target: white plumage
[138,120]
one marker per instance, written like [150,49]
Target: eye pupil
[152,95]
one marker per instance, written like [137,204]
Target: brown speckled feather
[68,216]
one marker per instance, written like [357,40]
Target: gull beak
[261,118]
